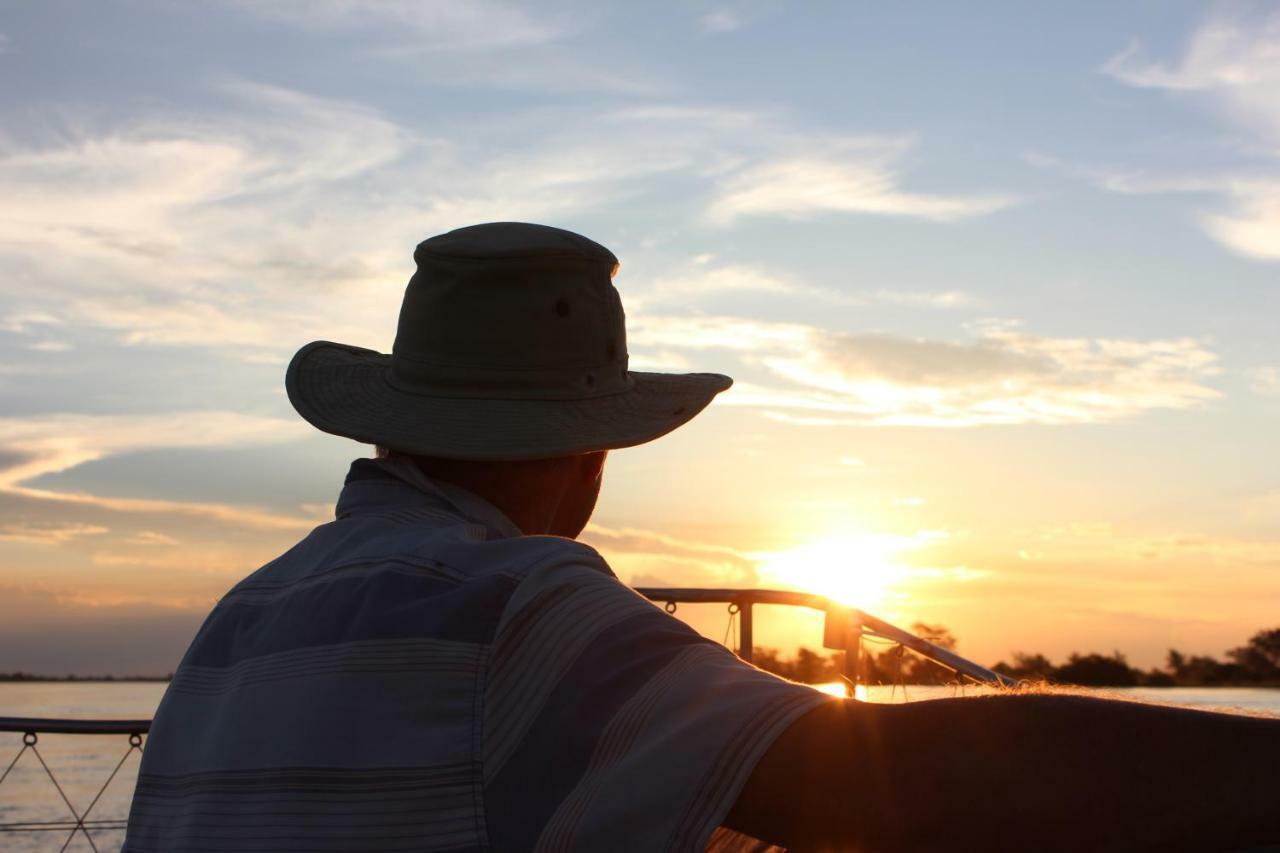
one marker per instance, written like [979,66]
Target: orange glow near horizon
[858,570]
[839,688]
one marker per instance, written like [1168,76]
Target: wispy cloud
[1001,375]
[705,277]
[1233,57]
[704,280]
[485,45]
[206,229]
[1265,380]
[151,537]
[646,557]
[47,533]
[1233,61]
[734,15]
[426,24]
[197,229]
[720,21]
[858,176]
[923,298]
[44,445]
[281,210]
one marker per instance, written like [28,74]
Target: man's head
[540,496]
[511,352]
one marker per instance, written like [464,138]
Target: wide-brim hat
[511,345]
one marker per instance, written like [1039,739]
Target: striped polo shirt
[419,675]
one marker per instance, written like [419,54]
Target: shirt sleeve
[610,725]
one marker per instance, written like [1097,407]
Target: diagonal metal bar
[135,743]
[79,827]
[21,752]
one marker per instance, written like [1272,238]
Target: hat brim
[344,390]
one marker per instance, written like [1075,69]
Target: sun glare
[839,688]
[858,570]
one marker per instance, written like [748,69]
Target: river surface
[82,763]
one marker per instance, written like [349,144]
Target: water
[1248,700]
[81,763]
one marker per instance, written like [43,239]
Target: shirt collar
[397,483]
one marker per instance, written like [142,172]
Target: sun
[858,570]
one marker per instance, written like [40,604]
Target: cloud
[860,176]
[1232,61]
[426,24]
[199,230]
[1265,380]
[720,21]
[924,298]
[1001,375]
[150,537]
[648,558]
[47,533]
[703,278]
[276,211]
[649,541]
[222,228]
[733,15]
[1234,58]
[32,447]
[1252,228]
[1250,225]
[482,44]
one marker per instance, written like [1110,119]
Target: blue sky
[998,283]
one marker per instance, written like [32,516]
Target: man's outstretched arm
[1040,772]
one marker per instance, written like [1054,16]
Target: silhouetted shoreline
[1255,664]
[29,676]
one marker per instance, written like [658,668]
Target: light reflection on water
[81,763]
[1251,700]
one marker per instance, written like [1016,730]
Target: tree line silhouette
[1254,664]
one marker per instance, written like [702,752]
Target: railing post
[853,649]
[746,634]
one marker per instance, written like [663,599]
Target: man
[444,668]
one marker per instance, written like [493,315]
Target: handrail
[845,627]
[55,726]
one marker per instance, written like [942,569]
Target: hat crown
[511,310]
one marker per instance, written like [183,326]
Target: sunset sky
[1000,291]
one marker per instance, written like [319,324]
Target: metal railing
[845,628]
[80,821]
